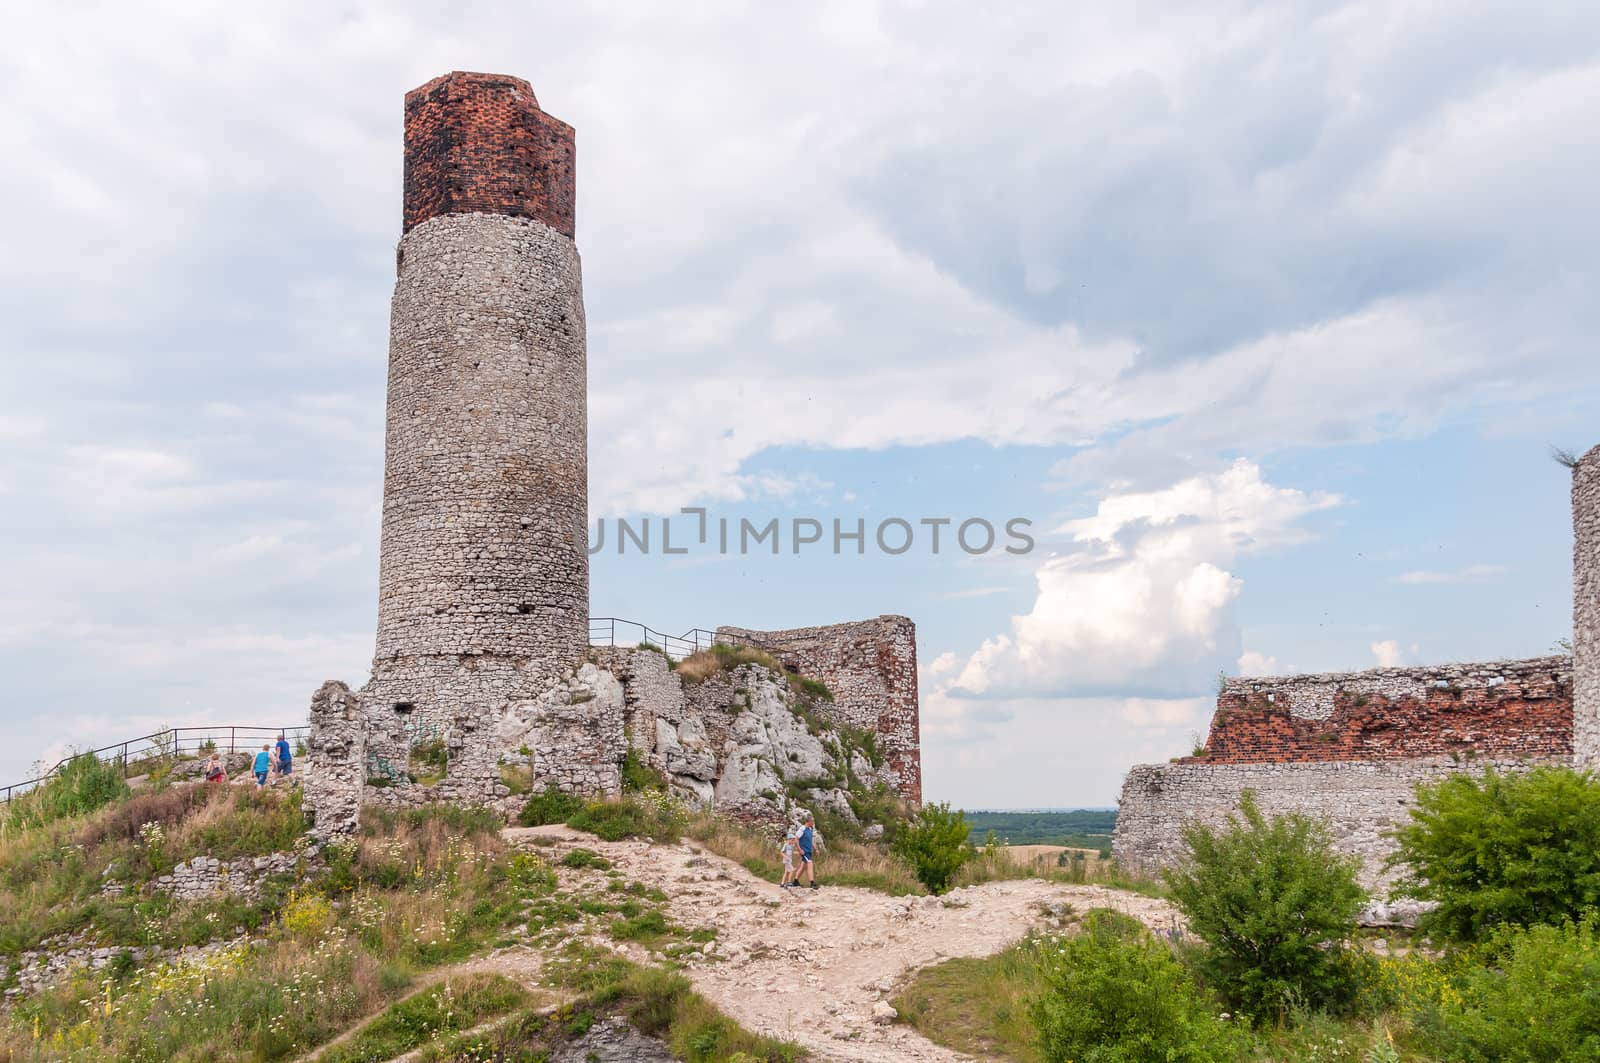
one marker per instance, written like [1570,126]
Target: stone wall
[870,667]
[1360,799]
[1586,609]
[1504,709]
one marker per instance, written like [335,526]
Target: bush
[649,815]
[307,916]
[1276,905]
[1529,995]
[1112,994]
[1521,849]
[84,783]
[639,777]
[934,843]
[552,806]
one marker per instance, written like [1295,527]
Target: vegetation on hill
[1083,828]
[1271,968]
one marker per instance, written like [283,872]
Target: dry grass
[998,864]
[839,862]
[703,664]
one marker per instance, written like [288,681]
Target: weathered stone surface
[1586,609]
[612,1041]
[870,667]
[338,747]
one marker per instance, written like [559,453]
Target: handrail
[172,741]
[168,742]
[603,631]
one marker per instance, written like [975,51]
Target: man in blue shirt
[285,756]
[808,842]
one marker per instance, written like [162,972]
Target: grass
[428,1016]
[655,1001]
[653,814]
[723,657]
[414,891]
[977,1006]
[992,863]
[840,863]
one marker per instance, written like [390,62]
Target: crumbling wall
[870,667]
[1361,801]
[1586,609]
[1502,709]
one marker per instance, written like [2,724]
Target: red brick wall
[478,143]
[1526,715]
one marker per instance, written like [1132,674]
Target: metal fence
[613,631]
[137,755]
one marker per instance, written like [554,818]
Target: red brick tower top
[478,143]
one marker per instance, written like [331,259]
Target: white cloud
[1141,600]
[1469,574]
[1388,653]
[1254,663]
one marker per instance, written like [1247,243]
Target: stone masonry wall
[870,667]
[1360,799]
[1586,609]
[483,579]
[1510,709]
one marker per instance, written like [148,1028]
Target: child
[790,848]
[214,769]
[263,765]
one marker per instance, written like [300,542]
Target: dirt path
[808,966]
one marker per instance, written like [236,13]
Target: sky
[1264,315]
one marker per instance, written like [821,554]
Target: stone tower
[484,578]
[1586,610]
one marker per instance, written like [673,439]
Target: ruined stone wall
[1361,800]
[483,579]
[870,667]
[1586,609]
[1505,709]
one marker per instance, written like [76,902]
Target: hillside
[1078,828]
[191,922]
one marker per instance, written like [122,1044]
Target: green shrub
[84,783]
[934,843]
[1276,905]
[1529,994]
[649,815]
[639,777]
[578,858]
[811,688]
[1502,848]
[1112,994]
[552,806]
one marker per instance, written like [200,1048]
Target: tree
[1494,849]
[934,843]
[1276,905]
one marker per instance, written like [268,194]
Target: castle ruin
[1352,747]
[482,656]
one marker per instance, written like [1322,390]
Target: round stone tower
[483,587]
[1586,610]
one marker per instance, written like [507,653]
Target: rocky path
[811,966]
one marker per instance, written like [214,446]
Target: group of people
[799,854]
[276,760]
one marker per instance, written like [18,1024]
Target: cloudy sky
[1265,316]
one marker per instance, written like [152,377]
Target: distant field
[1078,829]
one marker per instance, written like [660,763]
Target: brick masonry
[1500,709]
[870,667]
[479,143]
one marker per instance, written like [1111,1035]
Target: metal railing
[141,753]
[179,741]
[614,631]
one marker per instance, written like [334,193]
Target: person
[790,848]
[215,772]
[285,757]
[263,765]
[808,842]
